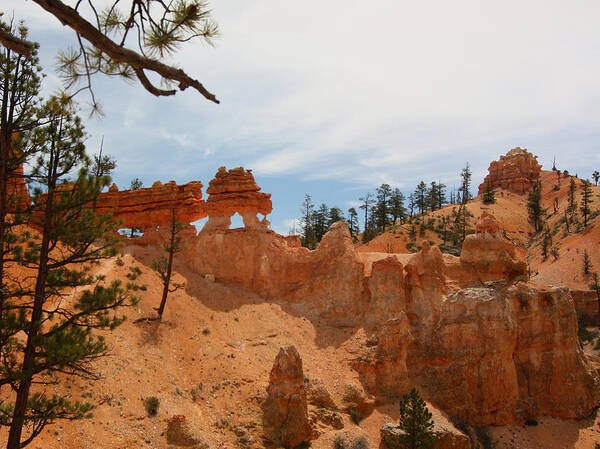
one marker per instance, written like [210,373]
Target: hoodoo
[514,172]
[234,191]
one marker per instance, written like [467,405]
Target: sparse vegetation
[416,423]
[152,404]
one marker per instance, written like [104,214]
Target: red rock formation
[488,255]
[285,418]
[151,207]
[236,191]
[18,193]
[513,172]
[487,355]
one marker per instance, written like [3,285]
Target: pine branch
[71,18]
[16,44]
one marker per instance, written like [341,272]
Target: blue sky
[333,98]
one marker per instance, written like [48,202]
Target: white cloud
[391,91]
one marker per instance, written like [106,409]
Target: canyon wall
[481,342]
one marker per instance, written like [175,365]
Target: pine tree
[353,223]
[534,205]
[595,285]
[596,176]
[412,203]
[321,221]
[367,203]
[416,423]
[465,186]
[20,82]
[421,197]
[587,263]
[164,265]
[307,211]
[381,209]
[441,195]
[586,200]
[546,243]
[489,194]
[572,205]
[136,184]
[335,215]
[397,209]
[58,338]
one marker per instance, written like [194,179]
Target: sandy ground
[210,359]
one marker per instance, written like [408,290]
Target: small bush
[484,437]
[340,443]
[119,262]
[206,331]
[355,415]
[586,336]
[531,422]
[152,403]
[134,272]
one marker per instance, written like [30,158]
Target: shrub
[134,272]
[152,403]
[484,437]
[586,336]
[355,415]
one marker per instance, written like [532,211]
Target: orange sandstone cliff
[513,172]
[480,347]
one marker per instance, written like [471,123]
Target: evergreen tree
[546,242]
[397,210]
[432,196]
[465,186]
[596,176]
[335,215]
[586,200]
[534,205]
[412,203]
[20,82]
[164,265]
[572,205]
[307,235]
[416,423]
[441,195]
[421,197]
[595,285]
[382,207]
[321,221]
[353,223]
[57,337]
[136,184]
[587,263]
[489,194]
[367,203]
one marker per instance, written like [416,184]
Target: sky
[333,98]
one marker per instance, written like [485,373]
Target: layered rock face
[234,191]
[482,349]
[513,172]
[488,255]
[18,193]
[285,410]
[152,207]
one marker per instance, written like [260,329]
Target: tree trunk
[18,418]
